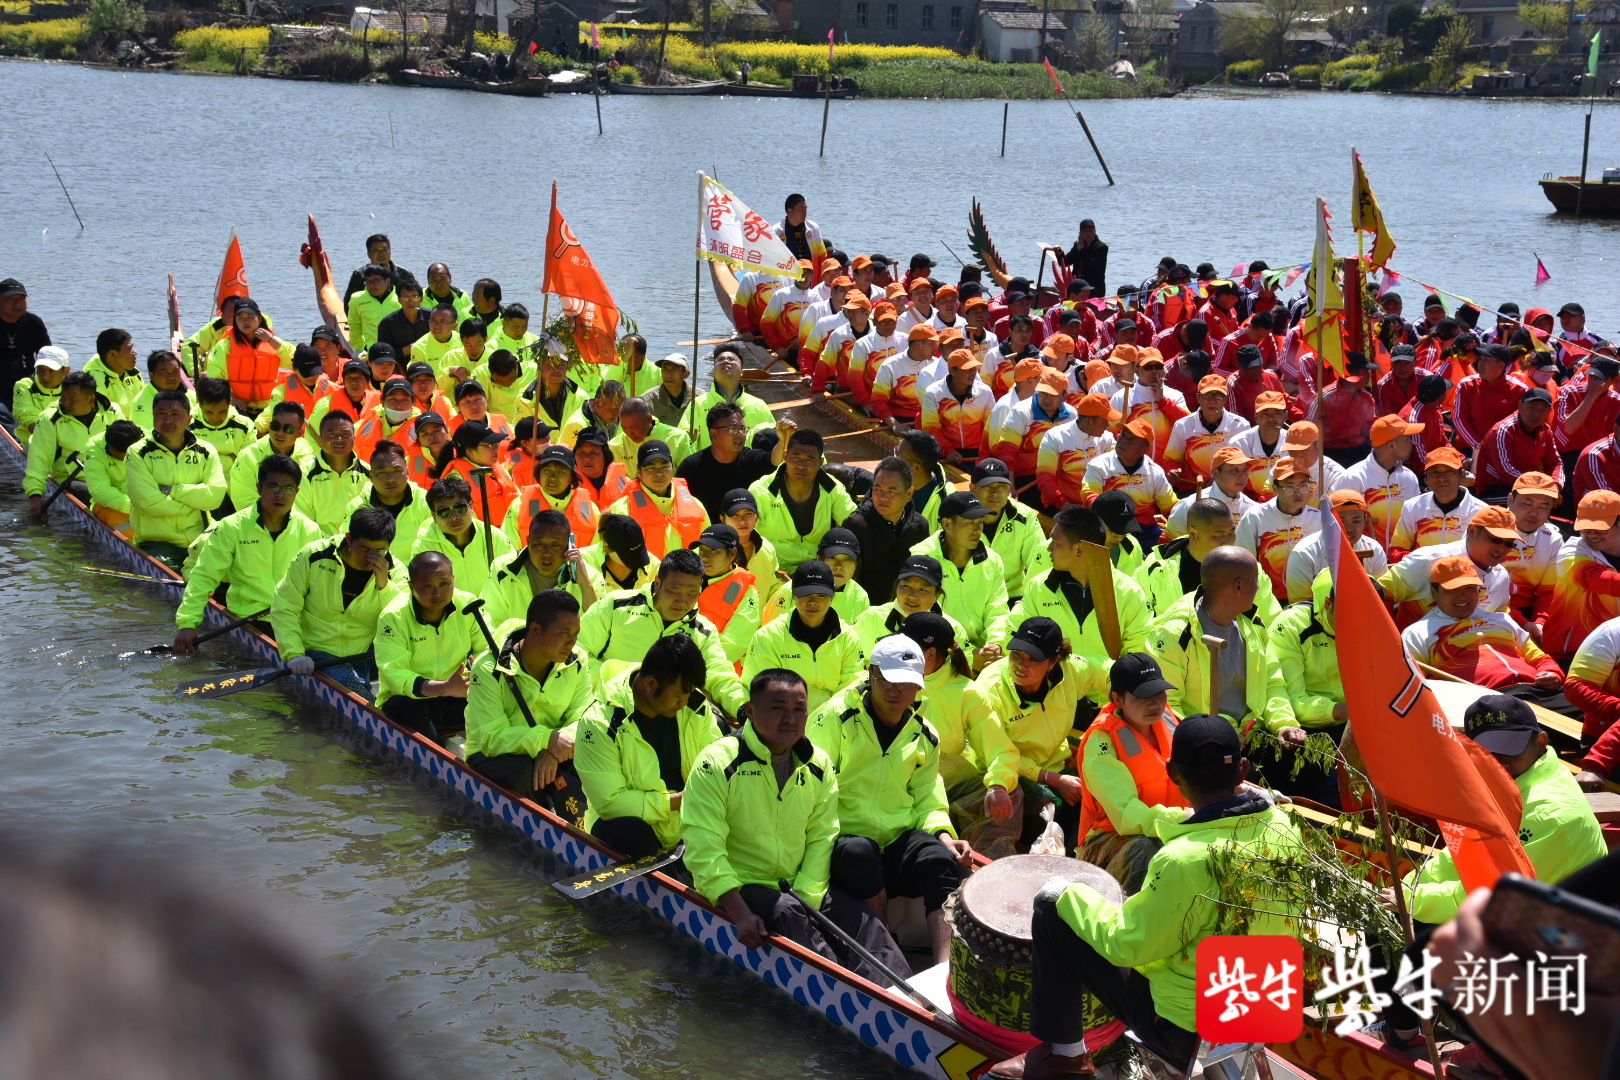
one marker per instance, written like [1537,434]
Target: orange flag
[571,275]
[232,276]
[1413,756]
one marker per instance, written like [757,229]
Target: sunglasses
[279,489]
[287,429]
[453,510]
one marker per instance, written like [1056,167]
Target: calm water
[450,929]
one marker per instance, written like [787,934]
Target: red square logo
[1250,988]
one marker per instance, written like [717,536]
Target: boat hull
[1596,199]
[686,90]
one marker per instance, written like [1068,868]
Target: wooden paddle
[1100,579]
[594,881]
[832,929]
[78,467]
[128,577]
[211,635]
[234,683]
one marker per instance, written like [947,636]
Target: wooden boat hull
[1596,199]
[686,90]
[521,88]
[764,90]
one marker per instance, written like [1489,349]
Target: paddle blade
[589,884]
[233,683]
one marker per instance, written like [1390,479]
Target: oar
[829,927]
[212,634]
[252,678]
[78,467]
[479,473]
[128,577]
[476,610]
[595,881]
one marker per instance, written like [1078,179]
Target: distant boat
[1597,198]
[766,90]
[520,88]
[680,90]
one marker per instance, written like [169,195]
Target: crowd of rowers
[858,680]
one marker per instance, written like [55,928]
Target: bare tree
[1263,32]
[1099,45]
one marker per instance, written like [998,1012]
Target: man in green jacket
[1171,571]
[975,583]
[894,823]
[1012,530]
[728,389]
[633,757]
[638,425]
[113,367]
[249,550]
[81,413]
[366,309]
[105,476]
[761,807]
[1139,958]
[336,476]
[531,750]
[1305,647]
[548,561]
[38,392]
[425,639]
[800,501]
[174,481]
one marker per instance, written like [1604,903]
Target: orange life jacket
[1146,762]
[580,510]
[614,486]
[253,370]
[340,402]
[373,428]
[722,597]
[687,517]
[500,486]
[307,398]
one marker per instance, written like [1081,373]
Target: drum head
[1001,896]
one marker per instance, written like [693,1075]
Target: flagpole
[1398,891]
[545,310]
[697,305]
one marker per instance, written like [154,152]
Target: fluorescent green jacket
[1559,833]
[881,620]
[471,566]
[238,549]
[232,437]
[366,313]
[1176,642]
[1039,730]
[1157,931]
[972,742]
[508,589]
[849,599]
[195,483]
[431,351]
[559,700]
[457,299]
[573,400]
[1305,648]
[1128,555]
[409,520]
[976,595]
[826,670]
[833,505]
[1044,597]
[508,401]
[450,358]
[121,388]
[409,651]
[104,476]
[618,768]
[624,448]
[29,400]
[756,414]
[883,793]
[56,436]
[242,479]
[623,625]
[741,829]
[1018,538]
[1109,780]
[309,613]
[327,497]
[498,340]
[1160,579]
[138,410]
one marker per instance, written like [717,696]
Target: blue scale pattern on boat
[813,985]
[865,1032]
[884,1028]
[902,1055]
[919,1044]
[846,1002]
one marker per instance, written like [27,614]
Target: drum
[992,965]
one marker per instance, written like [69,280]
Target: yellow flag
[1366,216]
[1324,319]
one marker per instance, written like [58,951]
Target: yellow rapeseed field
[53,39]
[220,46]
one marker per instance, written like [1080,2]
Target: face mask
[396,416]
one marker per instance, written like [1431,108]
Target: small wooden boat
[1596,198]
[680,90]
[753,89]
[537,87]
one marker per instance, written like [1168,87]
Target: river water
[448,930]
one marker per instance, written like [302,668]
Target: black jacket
[1090,263]
[884,547]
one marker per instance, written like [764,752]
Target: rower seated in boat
[174,481]
[760,807]
[455,531]
[424,640]
[1138,957]
[548,561]
[540,660]
[634,754]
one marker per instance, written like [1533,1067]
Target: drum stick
[1215,645]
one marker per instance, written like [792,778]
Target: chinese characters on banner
[733,234]
[1251,988]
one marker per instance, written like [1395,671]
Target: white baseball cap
[899,660]
[678,358]
[53,357]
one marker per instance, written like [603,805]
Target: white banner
[733,234]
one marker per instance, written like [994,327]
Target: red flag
[232,276]
[829,48]
[1052,73]
[1413,756]
[534,47]
[571,275]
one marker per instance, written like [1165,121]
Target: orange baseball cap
[1389,428]
[950,335]
[806,264]
[922,332]
[1444,456]
[856,302]
[1271,399]
[841,282]
[1097,405]
[1124,354]
[1054,381]
[944,291]
[1097,369]
[1058,345]
[1141,428]
[919,283]
[884,310]
[894,289]
[1212,384]
[1287,467]
[1347,497]
[1144,357]
[974,302]
[1230,455]
[1301,436]
[1027,368]
[1498,520]
[859,262]
[963,359]
[1536,483]
[1598,510]
[1455,572]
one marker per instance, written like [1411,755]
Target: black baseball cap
[429,417]
[476,433]
[929,629]
[962,504]
[356,367]
[1572,309]
[1068,315]
[1501,724]
[992,471]
[1258,266]
[467,388]
[1537,394]
[1139,675]
[531,428]
[591,434]
[722,537]
[812,578]
[738,499]
[1200,737]
[306,361]
[1354,361]
[381,352]
[1606,366]
[560,454]
[323,333]
[922,566]
[653,449]
[1431,388]
[1017,295]
[1433,300]
[840,542]
[1117,511]
[12,287]
[1509,308]
[623,537]
[419,368]
[1248,356]
[394,382]
[1040,637]
[920,261]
